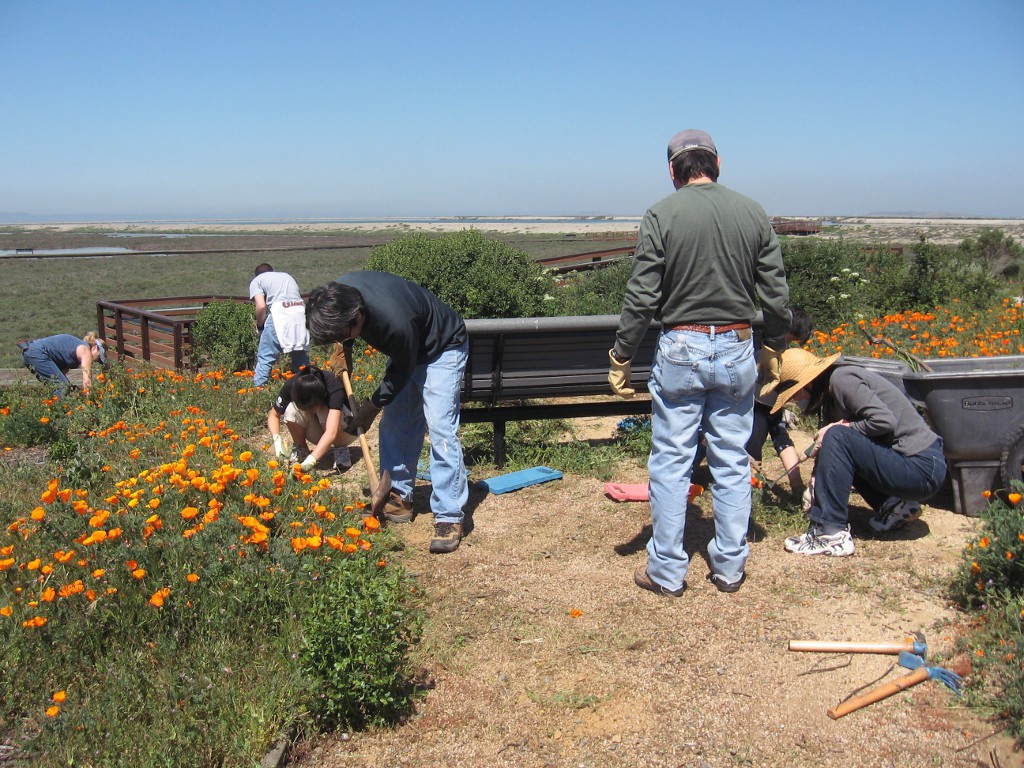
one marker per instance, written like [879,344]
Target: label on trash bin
[986,403]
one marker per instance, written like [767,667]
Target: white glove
[308,463]
[279,447]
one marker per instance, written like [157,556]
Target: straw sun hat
[799,368]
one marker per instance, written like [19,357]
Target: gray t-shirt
[876,408]
[274,287]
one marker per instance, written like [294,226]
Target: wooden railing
[158,331]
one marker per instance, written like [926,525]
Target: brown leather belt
[711,328]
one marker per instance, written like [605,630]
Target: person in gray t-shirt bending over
[281,319]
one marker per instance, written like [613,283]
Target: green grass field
[41,297]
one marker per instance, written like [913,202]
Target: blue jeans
[268,352]
[848,458]
[700,381]
[429,402]
[45,370]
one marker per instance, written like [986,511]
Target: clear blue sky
[310,108]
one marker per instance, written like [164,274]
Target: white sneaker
[895,513]
[342,459]
[816,542]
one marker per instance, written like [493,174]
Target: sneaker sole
[825,552]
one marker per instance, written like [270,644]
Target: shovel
[919,675]
[380,487]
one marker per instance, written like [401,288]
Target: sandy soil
[512,676]
[865,228]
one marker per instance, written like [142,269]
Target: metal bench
[517,366]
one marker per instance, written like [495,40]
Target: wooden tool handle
[879,693]
[827,646]
[367,458]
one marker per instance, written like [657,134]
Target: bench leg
[499,444]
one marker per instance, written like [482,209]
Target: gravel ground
[514,677]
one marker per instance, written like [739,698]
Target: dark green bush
[990,585]
[993,560]
[357,631]
[224,336]
[834,281]
[597,292]
[940,274]
[475,276]
[998,251]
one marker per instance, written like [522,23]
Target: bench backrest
[547,357]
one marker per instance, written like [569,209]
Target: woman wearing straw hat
[873,440]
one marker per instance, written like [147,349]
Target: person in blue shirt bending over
[50,358]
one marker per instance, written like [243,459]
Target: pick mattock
[380,487]
[770,484]
[916,646]
[919,675]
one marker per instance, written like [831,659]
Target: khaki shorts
[312,421]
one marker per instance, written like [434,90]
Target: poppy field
[170,593]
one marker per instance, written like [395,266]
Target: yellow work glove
[619,376]
[769,369]
[341,359]
[308,463]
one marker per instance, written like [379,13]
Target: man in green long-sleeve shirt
[706,257]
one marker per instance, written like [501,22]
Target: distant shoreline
[871,228]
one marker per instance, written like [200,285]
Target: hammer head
[920,646]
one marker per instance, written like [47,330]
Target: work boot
[643,580]
[446,538]
[397,509]
[726,586]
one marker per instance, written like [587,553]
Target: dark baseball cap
[689,139]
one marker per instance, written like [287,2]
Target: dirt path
[515,679]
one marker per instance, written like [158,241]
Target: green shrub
[26,418]
[357,630]
[994,560]
[597,292]
[989,584]
[830,280]
[998,251]
[224,336]
[475,276]
[941,274]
